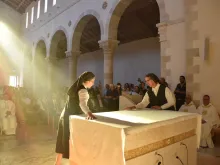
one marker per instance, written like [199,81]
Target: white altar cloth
[132,137]
[127,100]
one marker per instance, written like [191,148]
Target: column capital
[72,53]
[108,44]
[51,59]
[47,59]
[162,25]
[162,31]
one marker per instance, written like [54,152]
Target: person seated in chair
[112,97]
[210,121]
[189,106]
[7,116]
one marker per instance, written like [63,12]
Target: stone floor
[41,145]
[39,150]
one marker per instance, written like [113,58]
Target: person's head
[126,85]
[182,79]
[188,98]
[107,86]
[152,80]
[118,85]
[87,79]
[136,89]
[142,85]
[162,80]
[111,86]
[206,100]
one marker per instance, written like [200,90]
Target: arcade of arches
[120,41]
[127,54]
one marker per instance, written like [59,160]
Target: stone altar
[135,138]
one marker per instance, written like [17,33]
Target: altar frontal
[135,138]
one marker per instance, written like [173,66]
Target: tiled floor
[41,146]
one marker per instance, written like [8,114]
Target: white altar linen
[127,100]
[133,137]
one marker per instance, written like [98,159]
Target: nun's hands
[90,116]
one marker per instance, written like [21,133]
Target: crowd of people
[19,107]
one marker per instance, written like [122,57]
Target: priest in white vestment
[189,106]
[7,117]
[210,120]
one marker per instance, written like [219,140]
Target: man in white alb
[189,106]
[157,97]
[210,120]
[8,118]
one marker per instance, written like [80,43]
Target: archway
[58,62]
[40,68]
[133,23]
[118,9]
[85,39]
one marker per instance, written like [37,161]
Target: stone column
[49,73]
[108,47]
[193,60]
[164,45]
[33,68]
[72,57]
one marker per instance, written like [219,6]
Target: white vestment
[7,117]
[210,116]
[191,108]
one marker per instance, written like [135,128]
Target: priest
[189,106]
[210,120]
[8,118]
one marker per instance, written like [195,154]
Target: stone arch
[41,39]
[40,67]
[59,29]
[80,24]
[117,11]
[56,38]
[41,44]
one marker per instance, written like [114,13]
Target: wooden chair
[216,136]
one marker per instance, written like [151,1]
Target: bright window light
[45,6]
[54,2]
[38,9]
[5,33]
[13,81]
[32,15]
[26,20]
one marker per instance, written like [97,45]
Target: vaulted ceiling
[18,5]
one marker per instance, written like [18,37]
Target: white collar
[207,106]
[191,103]
[156,87]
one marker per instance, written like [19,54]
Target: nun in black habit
[76,104]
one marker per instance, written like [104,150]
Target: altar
[144,137]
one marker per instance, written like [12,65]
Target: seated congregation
[19,107]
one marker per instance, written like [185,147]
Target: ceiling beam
[21,3]
[10,3]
